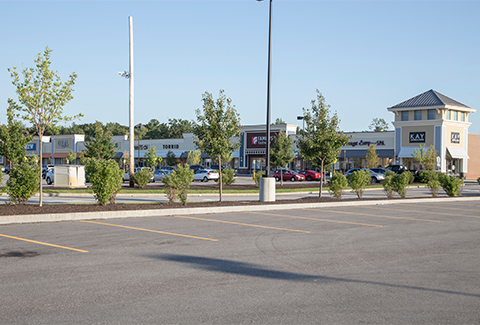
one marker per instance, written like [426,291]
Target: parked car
[379,170]
[159,174]
[289,175]
[50,176]
[376,177]
[311,175]
[196,167]
[223,167]
[171,168]
[45,169]
[397,169]
[205,175]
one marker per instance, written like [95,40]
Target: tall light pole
[129,75]
[267,185]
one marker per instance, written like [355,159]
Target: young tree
[378,125]
[216,127]
[171,160]
[151,157]
[321,140]
[71,157]
[99,145]
[41,97]
[194,157]
[426,157]
[372,157]
[282,153]
[12,139]
[279,121]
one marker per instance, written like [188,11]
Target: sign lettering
[417,137]
[455,137]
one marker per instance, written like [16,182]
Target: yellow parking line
[316,219]
[374,215]
[143,229]
[436,213]
[46,244]
[242,224]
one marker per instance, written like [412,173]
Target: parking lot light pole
[267,183]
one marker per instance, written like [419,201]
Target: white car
[158,175]
[204,175]
[50,176]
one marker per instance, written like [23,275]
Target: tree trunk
[321,180]
[220,176]
[281,177]
[40,138]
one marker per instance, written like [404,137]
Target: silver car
[376,177]
[205,175]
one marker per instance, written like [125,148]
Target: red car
[311,175]
[289,175]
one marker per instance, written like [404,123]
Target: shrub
[451,185]
[400,183]
[337,184]
[256,178]
[142,177]
[178,183]
[434,186]
[478,180]
[359,181]
[23,182]
[106,179]
[228,177]
[388,184]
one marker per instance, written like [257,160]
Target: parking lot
[384,264]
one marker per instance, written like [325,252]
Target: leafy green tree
[279,121]
[142,177]
[171,160]
[378,125]
[426,157]
[151,157]
[13,139]
[321,140]
[372,157]
[194,157]
[41,97]
[282,153]
[216,127]
[359,181]
[99,145]
[71,157]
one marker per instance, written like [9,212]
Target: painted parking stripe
[242,224]
[148,230]
[316,219]
[46,244]
[436,213]
[375,215]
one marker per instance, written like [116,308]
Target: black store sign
[455,137]
[417,137]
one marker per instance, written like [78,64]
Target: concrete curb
[34,218]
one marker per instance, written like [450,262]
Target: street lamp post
[267,184]
[129,76]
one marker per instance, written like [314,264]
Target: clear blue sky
[363,56]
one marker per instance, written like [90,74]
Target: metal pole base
[267,189]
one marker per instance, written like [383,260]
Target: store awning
[163,154]
[46,155]
[203,155]
[457,153]
[407,152]
[60,155]
[118,155]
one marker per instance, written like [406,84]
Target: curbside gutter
[34,218]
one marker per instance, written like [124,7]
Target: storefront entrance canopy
[407,152]
[457,153]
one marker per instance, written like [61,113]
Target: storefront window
[418,115]
[431,114]
[405,116]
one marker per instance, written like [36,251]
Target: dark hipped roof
[429,98]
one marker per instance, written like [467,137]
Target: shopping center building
[427,119]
